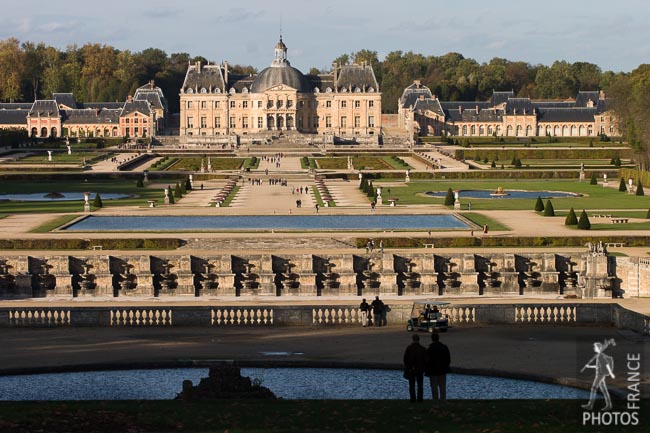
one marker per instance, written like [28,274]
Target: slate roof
[47,107]
[13,116]
[91,116]
[501,97]
[520,105]
[152,94]
[584,96]
[412,93]
[210,78]
[136,106]
[279,74]
[423,105]
[101,105]
[488,115]
[240,81]
[566,115]
[16,105]
[65,99]
[361,76]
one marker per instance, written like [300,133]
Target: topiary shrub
[188,184]
[493,165]
[621,185]
[183,190]
[140,183]
[97,203]
[571,218]
[548,209]
[593,180]
[639,188]
[583,222]
[449,198]
[539,205]
[177,191]
[171,195]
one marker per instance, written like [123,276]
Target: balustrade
[241,316]
[141,317]
[26,317]
[335,316]
[545,314]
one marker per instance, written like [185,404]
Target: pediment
[281,88]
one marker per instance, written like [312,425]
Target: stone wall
[534,314]
[589,275]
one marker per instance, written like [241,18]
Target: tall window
[371,104]
[357,104]
[357,121]
[328,121]
[328,104]
[232,104]
[203,105]
[260,121]
[259,104]
[245,104]
[344,104]
[315,121]
[217,122]
[204,122]
[371,121]
[232,122]
[344,122]
[244,122]
[190,122]
[189,104]
[217,104]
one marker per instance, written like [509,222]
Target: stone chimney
[601,95]
[225,73]
[335,74]
[460,109]
[198,67]
[129,98]
[477,109]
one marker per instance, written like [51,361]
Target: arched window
[509,130]
[473,129]
[190,90]
[565,131]
[519,130]
[498,129]
[529,130]
[464,129]
[270,121]
[53,132]
[43,132]
[280,122]
[582,130]
[573,131]
[548,129]
[289,121]
[481,130]
[34,132]
[490,131]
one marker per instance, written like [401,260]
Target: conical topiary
[621,185]
[594,180]
[177,191]
[539,205]
[183,190]
[639,188]
[548,209]
[571,218]
[583,222]
[188,184]
[97,203]
[171,195]
[449,198]
[140,183]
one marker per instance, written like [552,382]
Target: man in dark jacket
[438,360]
[415,361]
[377,311]
[364,308]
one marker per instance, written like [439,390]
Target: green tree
[539,205]
[593,180]
[583,222]
[188,184]
[449,198]
[170,194]
[97,202]
[571,218]
[177,191]
[548,209]
[622,187]
[639,187]
[140,183]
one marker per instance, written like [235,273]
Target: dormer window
[316,90]
[371,90]
[190,90]
[217,90]
[357,90]
[244,90]
[328,90]
[203,90]
[233,91]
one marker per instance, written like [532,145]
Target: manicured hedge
[85,244]
[507,155]
[545,241]
[472,174]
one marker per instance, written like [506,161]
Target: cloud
[235,15]
[56,27]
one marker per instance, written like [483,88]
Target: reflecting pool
[59,196]
[508,193]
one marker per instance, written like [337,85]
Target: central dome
[274,75]
[280,72]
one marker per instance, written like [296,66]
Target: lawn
[268,416]
[194,164]
[480,220]
[594,196]
[138,196]
[60,157]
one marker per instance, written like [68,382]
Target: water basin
[63,196]
[287,383]
[508,193]
[287,222]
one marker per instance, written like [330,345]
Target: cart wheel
[409,327]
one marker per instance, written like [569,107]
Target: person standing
[437,367]
[381,246]
[377,310]
[364,308]
[415,360]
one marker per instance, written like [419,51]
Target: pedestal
[86,207]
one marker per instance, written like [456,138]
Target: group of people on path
[432,362]
[370,246]
[373,313]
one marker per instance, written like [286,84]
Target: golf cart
[426,317]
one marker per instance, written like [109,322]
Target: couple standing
[432,362]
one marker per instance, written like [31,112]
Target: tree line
[95,72]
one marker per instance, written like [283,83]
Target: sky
[613,35]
